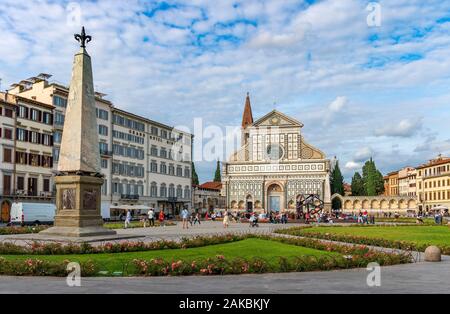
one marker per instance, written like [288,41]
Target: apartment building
[433,184]
[407,182]
[26,153]
[391,187]
[144,163]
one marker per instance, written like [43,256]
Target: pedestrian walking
[127,219]
[197,219]
[226,220]
[151,217]
[162,218]
[184,217]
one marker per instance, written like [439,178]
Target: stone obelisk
[78,184]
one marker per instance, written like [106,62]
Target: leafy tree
[217,175]
[194,176]
[357,185]
[373,179]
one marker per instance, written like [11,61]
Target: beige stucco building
[26,167]
[275,167]
[433,184]
[407,182]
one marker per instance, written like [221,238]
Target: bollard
[433,254]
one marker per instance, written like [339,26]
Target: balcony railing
[129,196]
[106,152]
[28,195]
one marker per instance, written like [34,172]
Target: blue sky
[360,91]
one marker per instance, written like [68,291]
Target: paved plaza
[418,277]
[207,228]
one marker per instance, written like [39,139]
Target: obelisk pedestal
[78,200]
[78,187]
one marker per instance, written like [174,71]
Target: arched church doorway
[274,197]
[249,203]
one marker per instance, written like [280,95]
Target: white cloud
[338,104]
[352,165]
[363,154]
[403,128]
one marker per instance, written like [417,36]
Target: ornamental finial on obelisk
[82,38]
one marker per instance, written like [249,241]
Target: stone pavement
[175,233]
[411,278]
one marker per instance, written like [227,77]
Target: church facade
[275,169]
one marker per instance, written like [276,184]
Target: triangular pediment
[277,119]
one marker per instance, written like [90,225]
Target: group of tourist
[149,219]
[364,218]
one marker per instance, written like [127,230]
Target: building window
[154,151]
[187,192]
[20,183]
[103,130]
[23,112]
[163,190]
[102,114]
[8,113]
[103,148]
[57,136]
[105,163]
[163,153]
[163,168]
[7,155]
[171,190]
[47,118]
[8,134]
[35,115]
[154,166]
[171,170]
[179,191]
[179,171]
[153,190]
[56,154]
[46,185]
[59,118]
[59,102]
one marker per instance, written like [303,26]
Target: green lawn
[421,235]
[249,248]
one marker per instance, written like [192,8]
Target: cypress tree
[217,175]
[337,180]
[194,175]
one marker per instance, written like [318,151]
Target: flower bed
[37,248]
[380,242]
[349,257]
[22,230]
